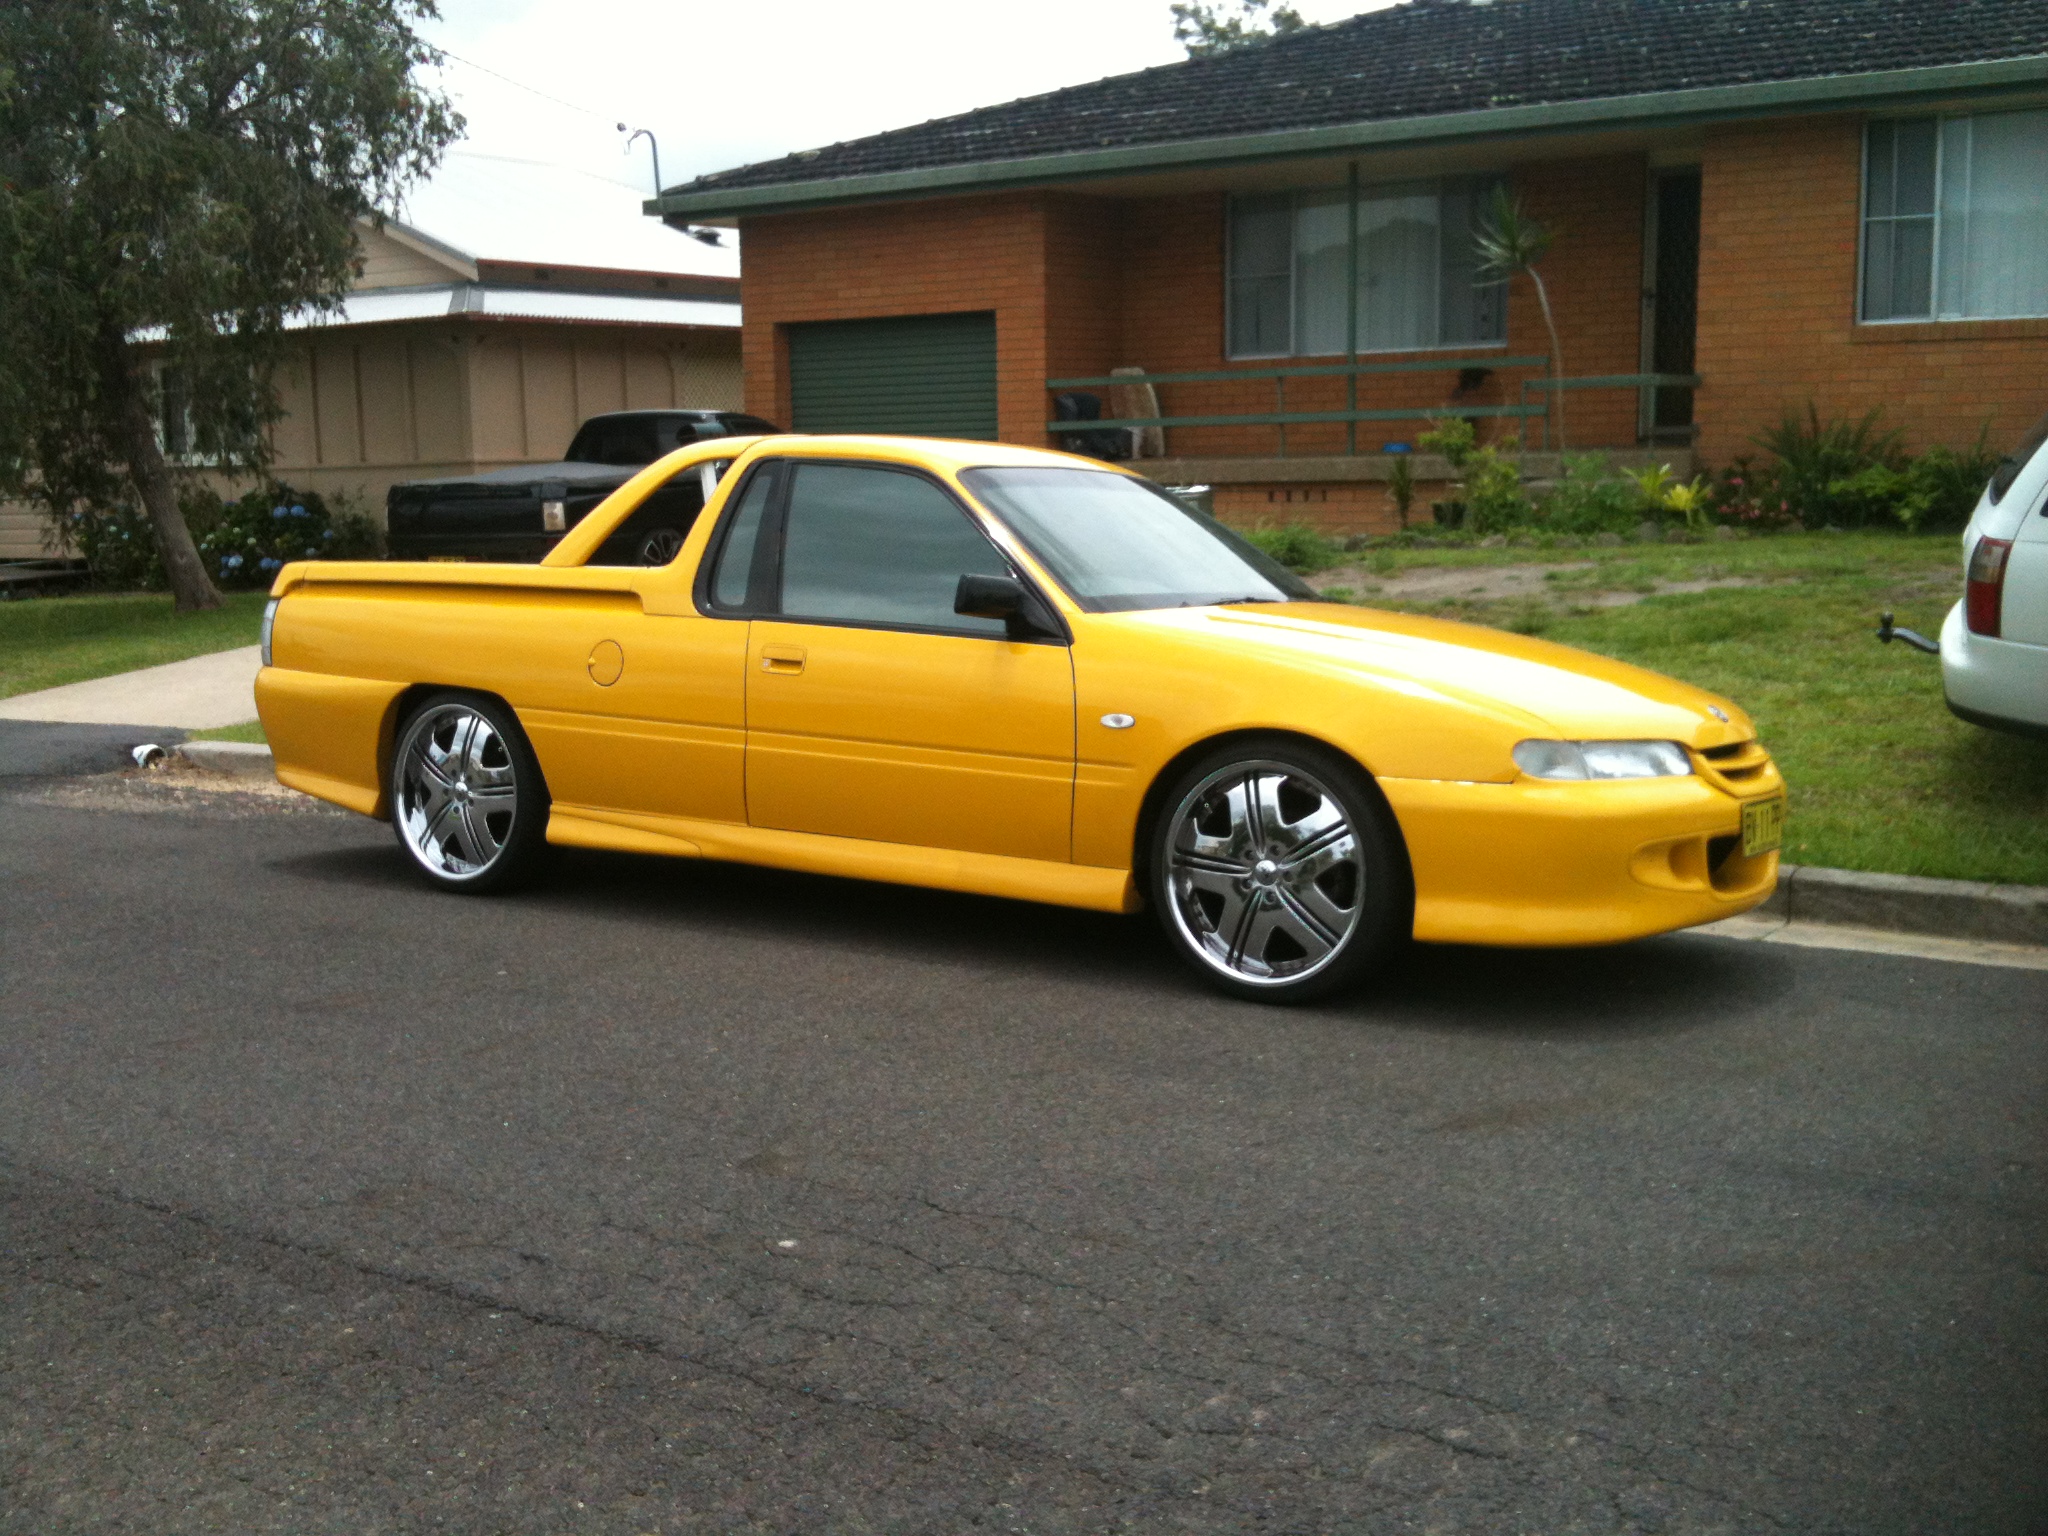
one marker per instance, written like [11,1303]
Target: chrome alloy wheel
[1266,873]
[661,546]
[457,789]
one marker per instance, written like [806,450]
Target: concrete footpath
[200,694]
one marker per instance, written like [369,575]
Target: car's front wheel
[1278,872]
[467,799]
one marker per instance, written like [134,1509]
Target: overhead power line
[602,117]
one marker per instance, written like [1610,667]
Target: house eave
[1881,91]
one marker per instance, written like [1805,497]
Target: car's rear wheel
[1278,872]
[467,798]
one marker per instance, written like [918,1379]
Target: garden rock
[1494,541]
[1723,531]
[1647,532]
[1608,540]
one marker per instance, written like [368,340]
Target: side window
[654,534]
[733,578]
[879,547]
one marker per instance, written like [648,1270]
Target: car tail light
[1985,594]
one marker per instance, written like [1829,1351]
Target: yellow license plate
[1763,827]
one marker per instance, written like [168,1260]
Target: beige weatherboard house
[504,303]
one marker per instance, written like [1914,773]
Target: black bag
[1110,443]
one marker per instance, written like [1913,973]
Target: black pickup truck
[519,514]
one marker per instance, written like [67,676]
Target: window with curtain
[1418,280]
[1955,218]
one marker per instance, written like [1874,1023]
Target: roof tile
[1433,57]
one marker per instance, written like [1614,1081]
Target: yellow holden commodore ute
[1013,672]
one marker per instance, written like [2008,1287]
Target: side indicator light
[1119,722]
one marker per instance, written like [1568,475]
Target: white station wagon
[1994,644]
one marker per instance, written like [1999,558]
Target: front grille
[1735,767]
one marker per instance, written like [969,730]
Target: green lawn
[46,641]
[248,730]
[1882,776]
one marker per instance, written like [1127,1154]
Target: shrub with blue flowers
[248,541]
[244,542]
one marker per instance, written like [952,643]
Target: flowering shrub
[1743,496]
[243,543]
[248,541]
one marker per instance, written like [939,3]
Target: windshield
[1118,544]
[2010,466]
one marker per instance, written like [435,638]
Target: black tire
[1278,872]
[659,546]
[468,803]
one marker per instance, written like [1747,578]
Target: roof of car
[1427,59]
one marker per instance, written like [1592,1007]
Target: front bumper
[1535,863]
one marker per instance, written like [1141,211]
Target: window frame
[1354,196]
[764,577]
[188,457]
[1864,218]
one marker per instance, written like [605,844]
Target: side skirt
[945,869]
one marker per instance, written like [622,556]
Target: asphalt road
[674,1197]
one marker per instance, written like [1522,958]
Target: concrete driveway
[674,1197]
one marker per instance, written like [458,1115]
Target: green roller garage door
[922,375]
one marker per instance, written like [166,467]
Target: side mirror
[1005,598]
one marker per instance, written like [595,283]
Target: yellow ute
[1018,673]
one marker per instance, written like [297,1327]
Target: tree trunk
[1556,356]
[190,587]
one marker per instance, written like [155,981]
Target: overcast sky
[741,80]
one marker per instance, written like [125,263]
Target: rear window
[621,440]
[735,426]
[2010,466]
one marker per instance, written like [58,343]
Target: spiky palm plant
[1510,243]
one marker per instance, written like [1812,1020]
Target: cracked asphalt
[671,1197]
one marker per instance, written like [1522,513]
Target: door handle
[785,660]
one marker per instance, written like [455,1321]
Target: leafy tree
[1208,27]
[1510,243]
[177,177]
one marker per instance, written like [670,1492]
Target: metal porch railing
[1281,418]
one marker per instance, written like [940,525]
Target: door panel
[944,741]
[636,711]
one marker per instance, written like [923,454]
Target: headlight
[269,621]
[1602,759]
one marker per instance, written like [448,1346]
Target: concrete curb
[1949,909]
[243,759]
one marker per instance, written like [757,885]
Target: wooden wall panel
[385,371]
[441,431]
[498,410]
[335,401]
[553,411]
[600,374]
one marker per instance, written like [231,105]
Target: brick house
[1757,204]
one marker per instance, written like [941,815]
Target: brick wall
[1081,285]
[1780,205]
[948,256]
[1173,317]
